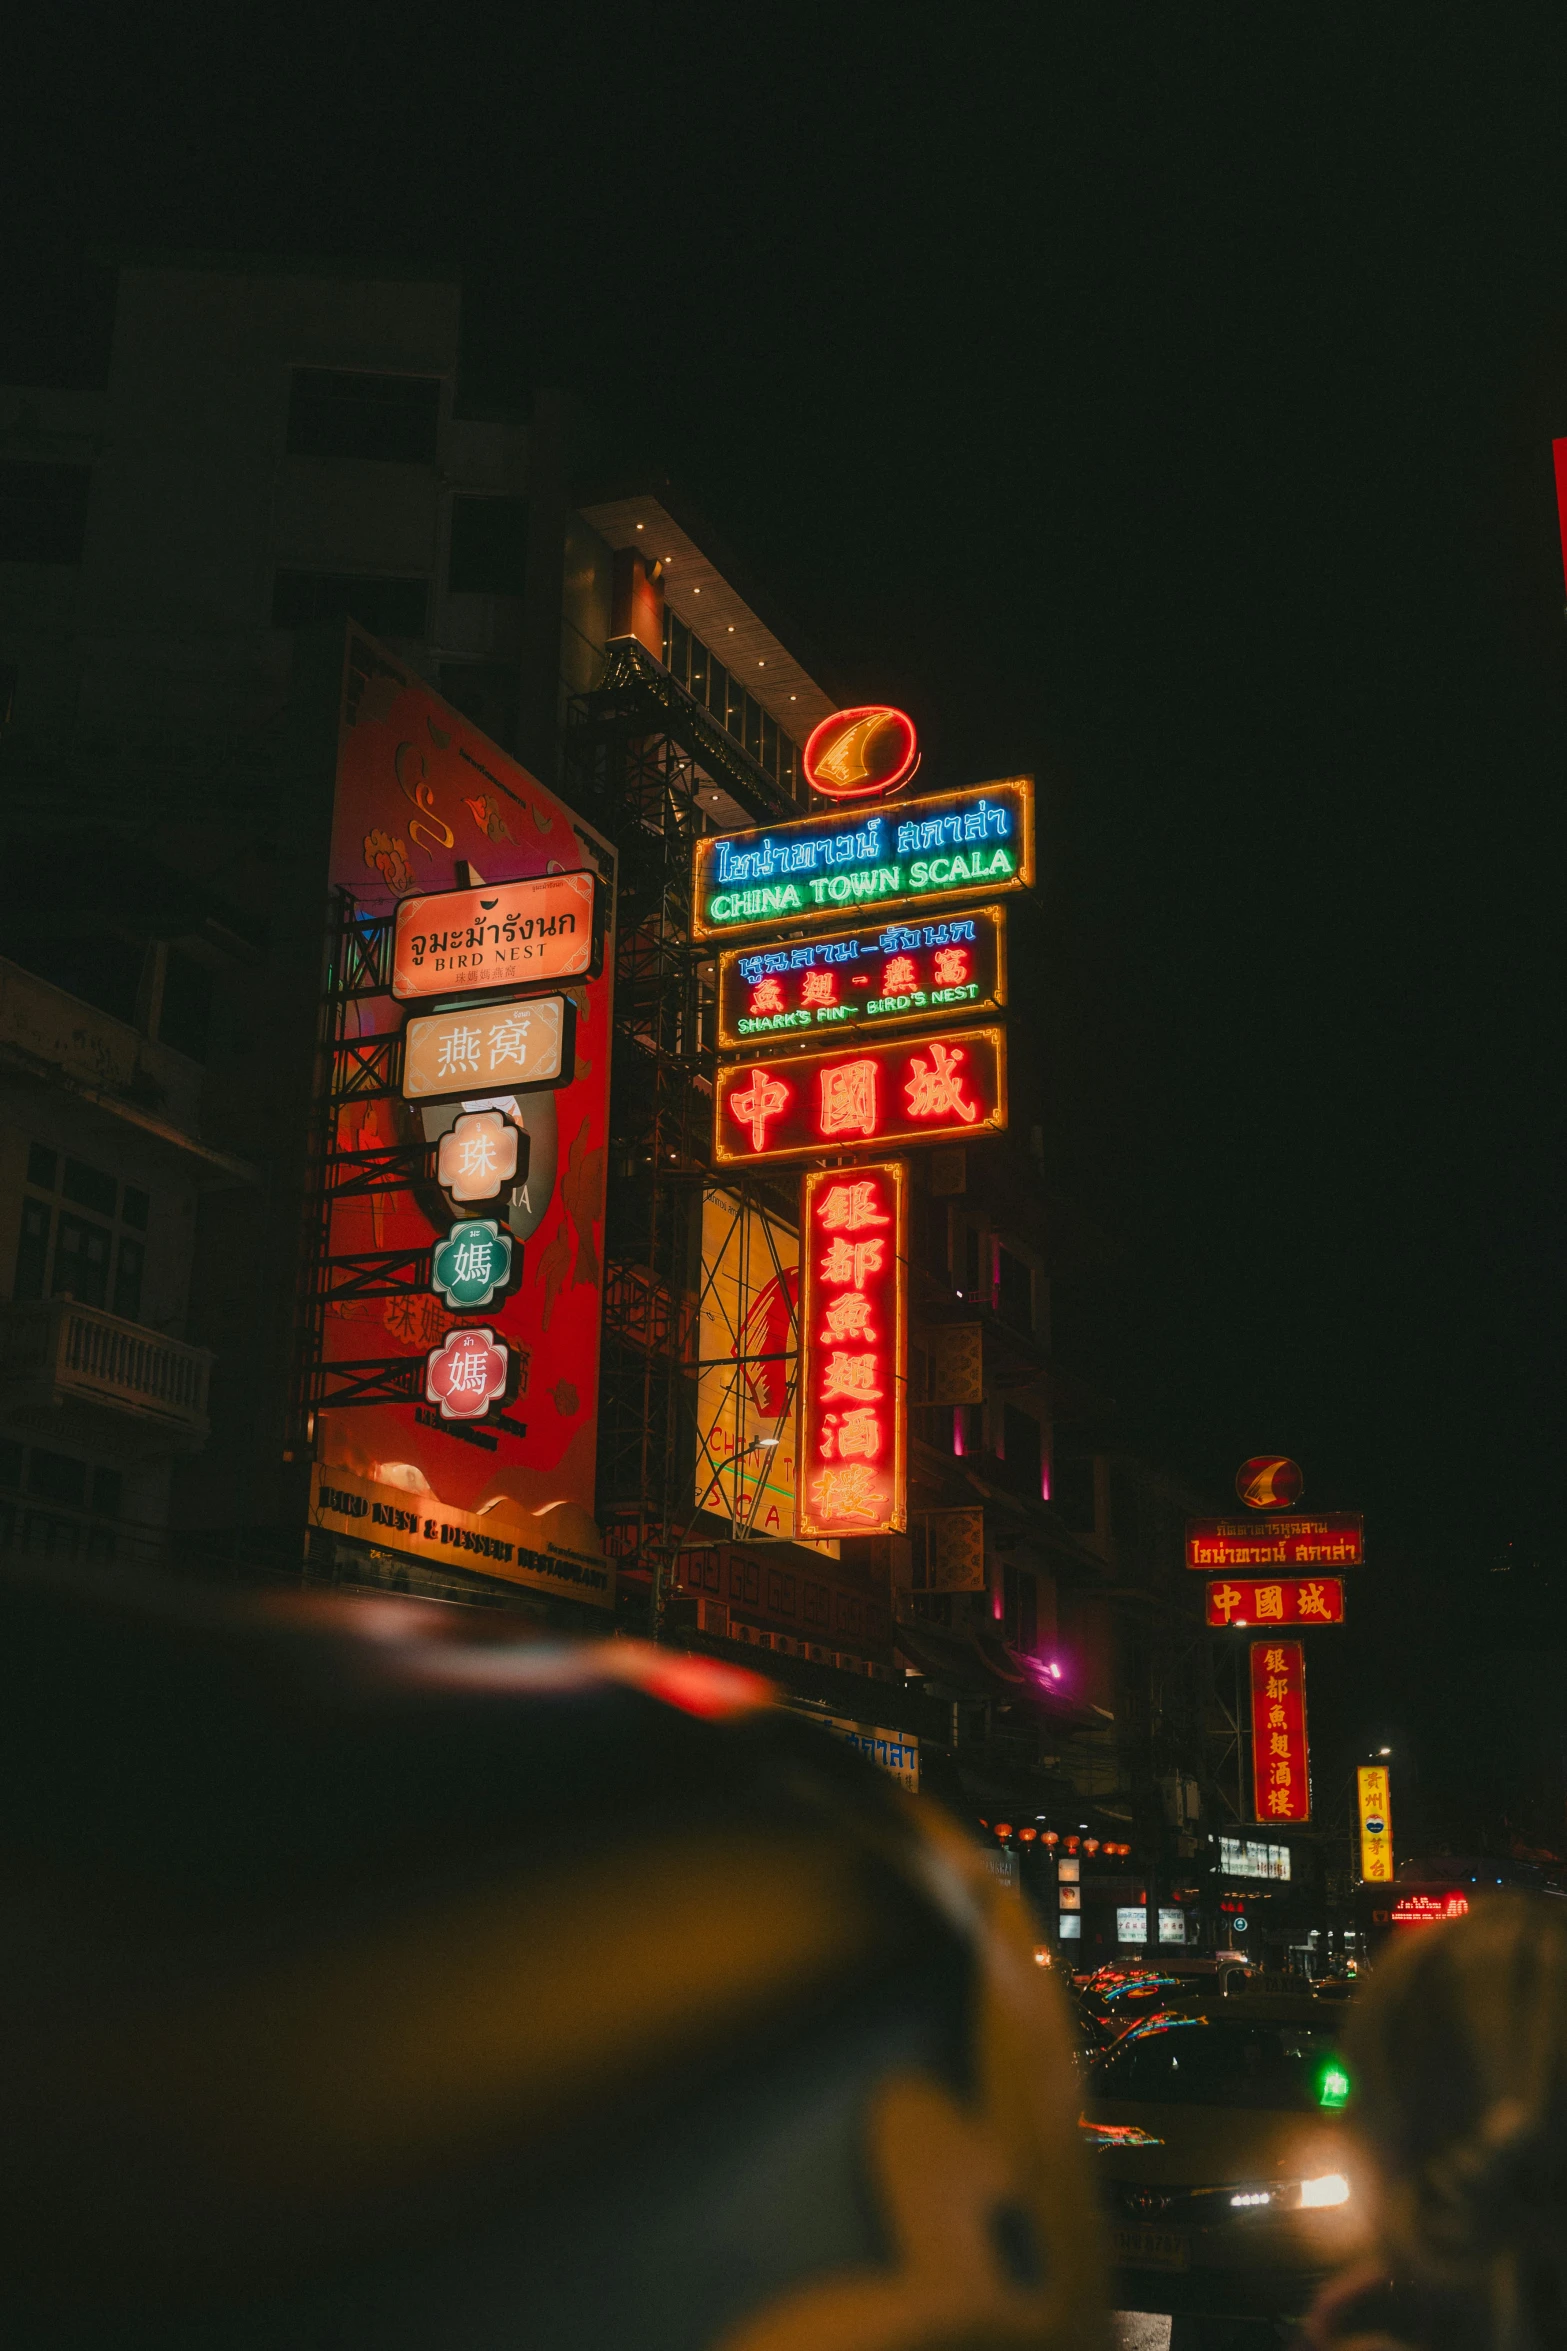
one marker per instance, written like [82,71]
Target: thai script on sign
[1324,1538]
[888,974]
[515,933]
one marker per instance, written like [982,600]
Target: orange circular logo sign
[1269,1481]
[862,754]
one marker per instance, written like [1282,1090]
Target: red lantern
[1071,1844]
[1027,1836]
[1050,1837]
[1091,1845]
[1003,1828]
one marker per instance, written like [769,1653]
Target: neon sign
[1295,1600]
[1280,1759]
[886,975]
[862,754]
[489,1049]
[957,844]
[502,934]
[1373,1792]
[928,1088]
[853,1351]
[1327,1538]
[1423,1910]
[466,1374]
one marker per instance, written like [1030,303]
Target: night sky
[1161,401]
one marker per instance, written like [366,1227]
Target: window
[83,1235]
[486,692]
[43,511]
[489,546]
[385,606]
[340,412]
[1198,2061]
[739,714]
[187,1005]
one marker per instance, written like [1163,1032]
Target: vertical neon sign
[1280,1762]
[854,1252]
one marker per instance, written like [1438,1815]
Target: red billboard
[424,805]
[1320,1538]
[936,1087]
[1280,1759]
[854,1252]
[1298,1600]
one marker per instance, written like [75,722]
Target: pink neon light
[1559,460]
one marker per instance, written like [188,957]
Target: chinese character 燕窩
[951,966]
[849,1098]
[459,1053]
[899,976]
[765,1098]
[509,1040]
[849,1375]
[934,1087]
[817,988]
[849,1208]
[849,1317]
[851,1261]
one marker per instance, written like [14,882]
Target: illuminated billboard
[883,976]
[1280,1759]
[423,801]
[747,1365]
[1373,1789]
[1322,1538]
[1293,1600]
[974,843]
[854,1350]
[516,934]
[861,754]
[934,1087]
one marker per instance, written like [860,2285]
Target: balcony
[75,1372]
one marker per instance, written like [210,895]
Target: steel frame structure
[638,753]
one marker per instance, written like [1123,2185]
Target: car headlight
[1331,2188]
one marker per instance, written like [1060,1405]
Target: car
[1223,2161]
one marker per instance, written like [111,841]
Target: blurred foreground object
[1459,2053]
[370,1979]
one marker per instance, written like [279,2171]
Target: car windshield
[1203,2061]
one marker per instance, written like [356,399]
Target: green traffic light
[1333,2089]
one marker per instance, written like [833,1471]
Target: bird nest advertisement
[460,1273]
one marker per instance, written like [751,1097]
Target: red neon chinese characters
[934,1087]
[848,1098]
[1288,1600]
[767,996]
[816,987]
[882,1095]
[853,1337]
[768,1095]
[900,975]
[951,967]
[1280,1759]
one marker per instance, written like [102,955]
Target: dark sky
[1159,399]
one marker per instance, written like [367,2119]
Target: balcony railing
[57,1353]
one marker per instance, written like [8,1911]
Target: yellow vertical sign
[1376,1824]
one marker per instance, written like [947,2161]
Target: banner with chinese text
[948,968]
[1297,1600]
[854,1351]
[924,1089]
[1280,1762]
[1374,1792]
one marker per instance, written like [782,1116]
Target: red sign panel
[1325,1538]
[854,1254]
[1280,1762]
[1269,1481]
[951,968]
[515,934]
[1425,1910]
[420,790]
[924,1089]
[466,1374]
[862,754]
[1300,1600]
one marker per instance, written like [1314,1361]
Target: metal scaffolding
[644,762]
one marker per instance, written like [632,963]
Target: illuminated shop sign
[861,754]
[1325,1538]
[853,1351]
[1270,1481]
[1297,1600]
[471,1264]
[1244,1857]
[502,934]
[929,1088]
[1425,1910]
[488,1049]
[896,1752]
[466,1374]
[1280,1762]
[885,975]
[477,1158]
[1375,1803]
[958,844]
[486,1541]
